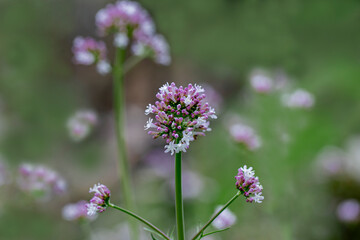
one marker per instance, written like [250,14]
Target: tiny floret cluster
[100,200]
[40,181]
[154,46]
[81,124]
[245,135]
[300,98]
[88,51]
[249,185]
[122,17]
[181,116]
[260,82]
[76,211]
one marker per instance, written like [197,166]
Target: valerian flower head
[181,116]
[300,98]
[81,124]
[154,46]
[245,135]
[249,185]
[40,181]
[261,82]
[100,200]
[76,211]
[122,17]
[88,51]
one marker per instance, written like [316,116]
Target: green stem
[178,198]
[216,215]
[119,105]
[147,223]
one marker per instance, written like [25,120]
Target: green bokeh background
[317,43]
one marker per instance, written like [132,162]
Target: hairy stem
[147,223]
[216,215]
[178,198]
[119,105]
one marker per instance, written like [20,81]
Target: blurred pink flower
[225,219]
[245,135]
[348,210]
[298,99]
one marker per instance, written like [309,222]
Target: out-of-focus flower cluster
[300,98]
[348,211]
[245,135]
[40,181]
[88,51]
[76,211]
[225,219]
[100,200]
[180,116]
[81,124]
[249,185]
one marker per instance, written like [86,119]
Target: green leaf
[217,231]
[153,232]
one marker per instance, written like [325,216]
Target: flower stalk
[178,198]
[147,223]
[201,231]
[119,105]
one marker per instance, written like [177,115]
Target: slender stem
[119,104]
[216,215]
[147,223]
[132,61]
[178,198]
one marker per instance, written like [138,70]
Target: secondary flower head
[260,82]
[245,135]
[348,210]
[40,181]
[298,99]
[180,116]
[81,124]
[249,185]
[100,200]
[154,46]
[122,17]
[225,219]
[88,51]
[76,211]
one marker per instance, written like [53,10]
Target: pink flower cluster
[155,46]
[180,116]
[248,185]
[76,211]
[88,51]
[81,124]
[245,135]
[100,200]
[41,181]
[300,98]
[260,82]
[124,16]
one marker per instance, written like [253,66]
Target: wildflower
[245,135]
[76,211]
[180,116]
[81,124]
[88,51]
[348,210]
[260,82]
[100,200]
[154,46]
[121,40]
[40,181]
[225,219]
[124,17]
[248,185]
[103,67]
[298,99]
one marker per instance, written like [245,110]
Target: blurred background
[308,155]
